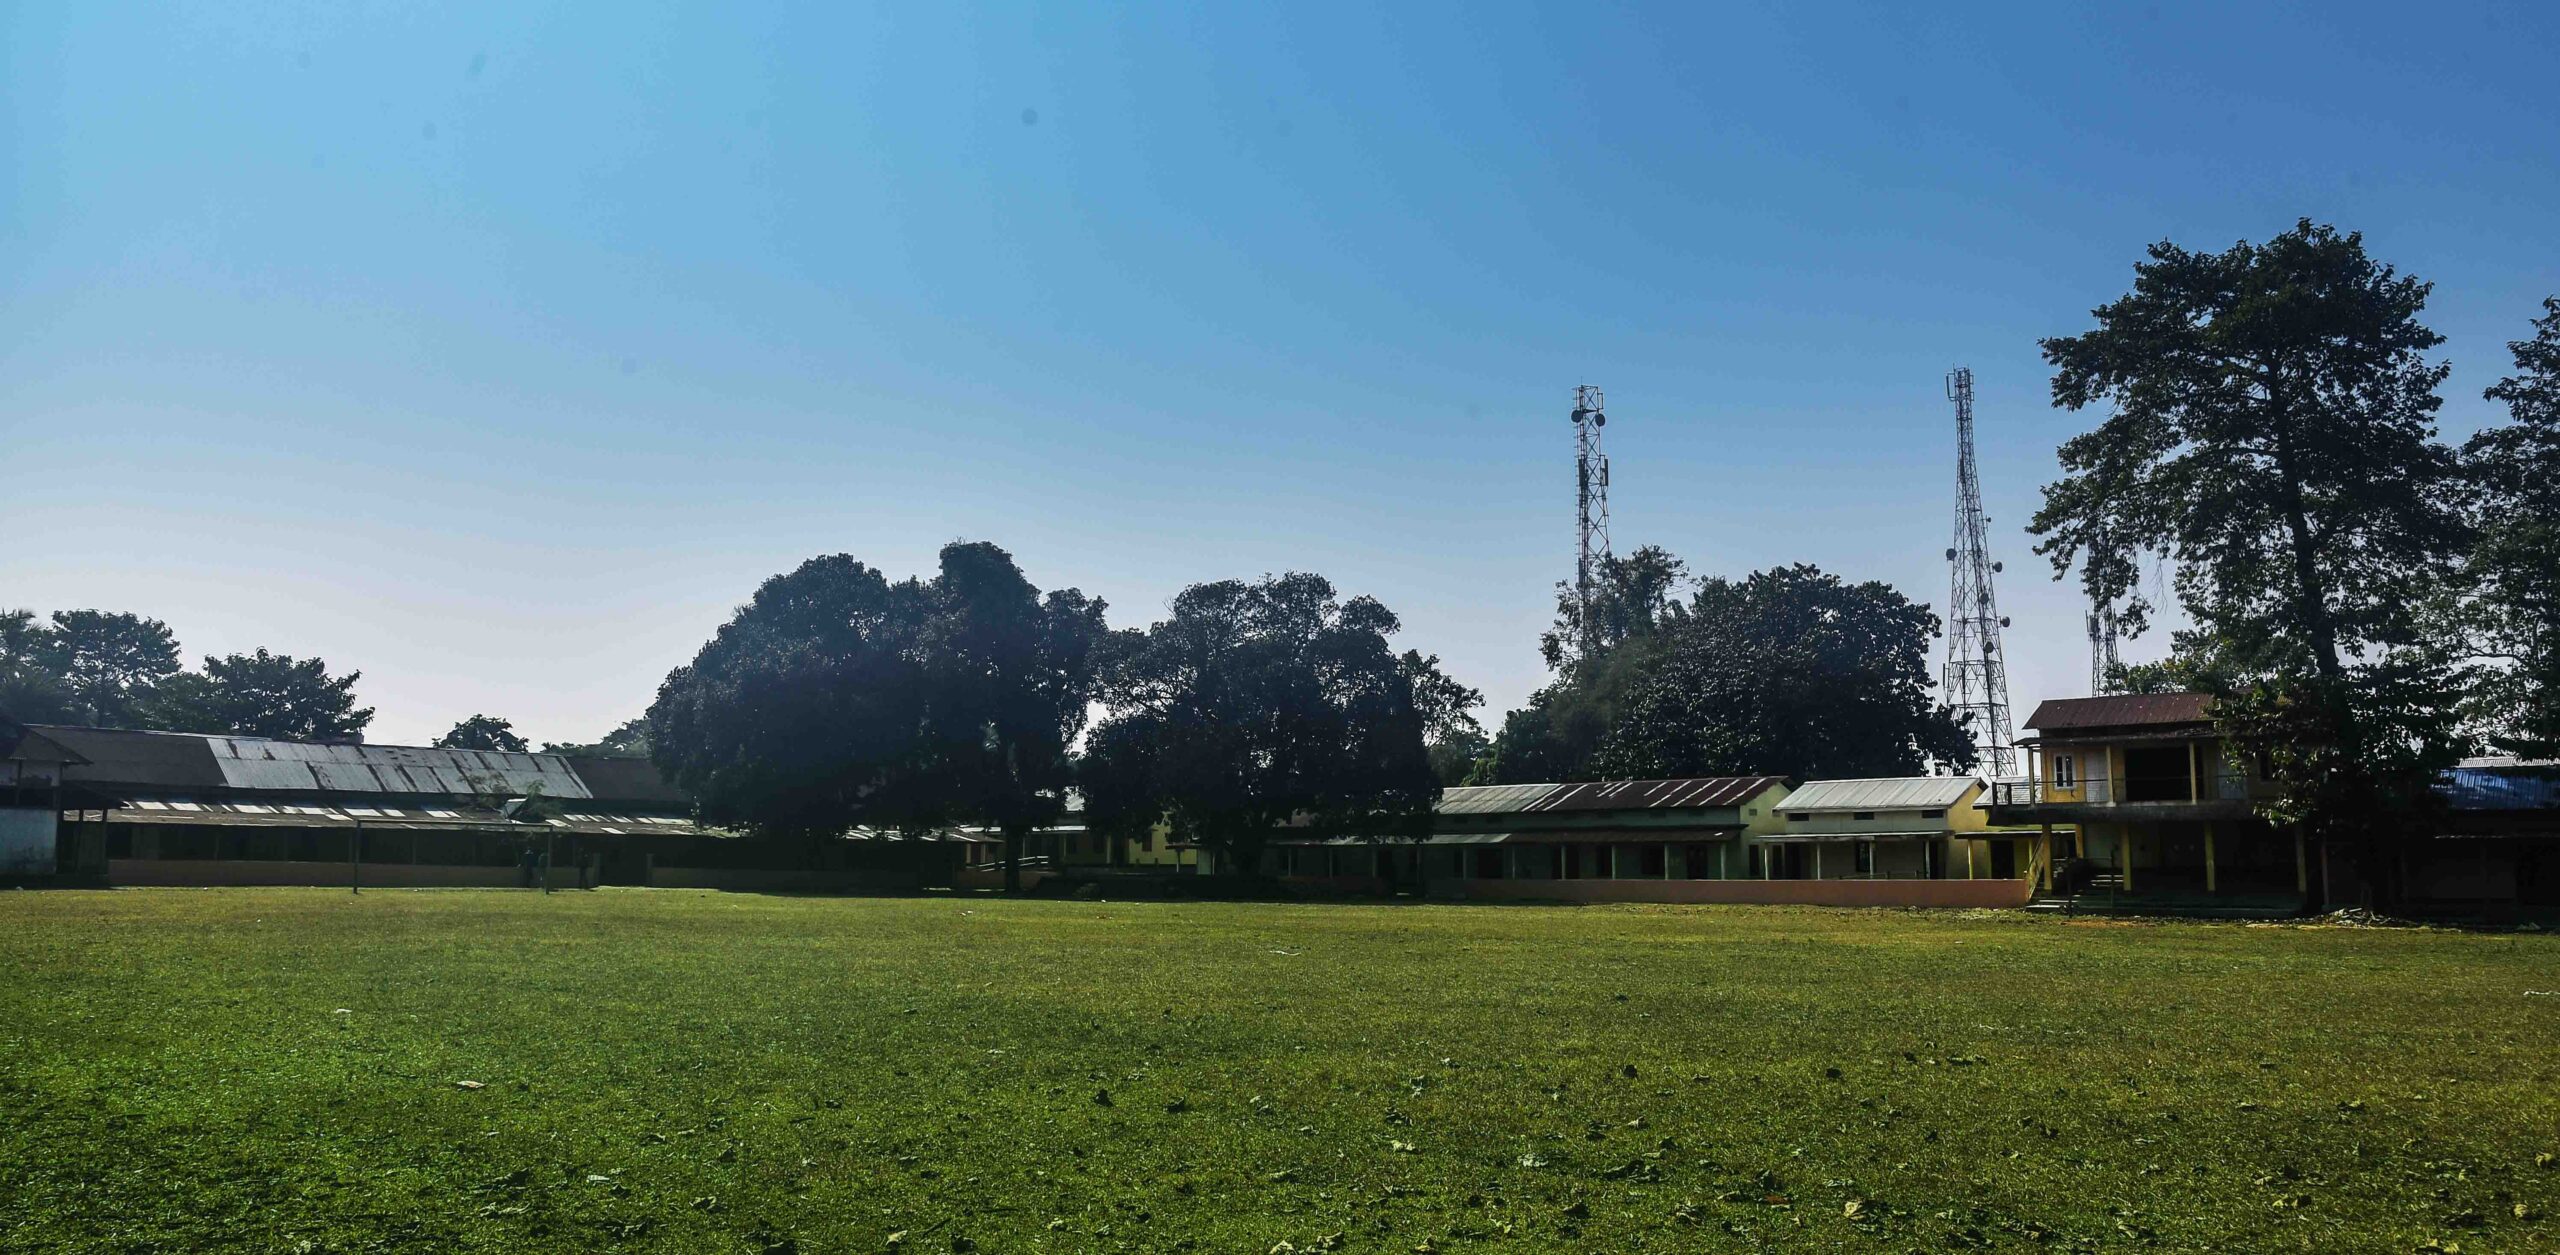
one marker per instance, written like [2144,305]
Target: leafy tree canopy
[1629,598]
[264,694]
[31,689]
[110,663]
[1255,707]
[1787,672]
[836,698]
[483,732]
[2514,611]
[2273,432]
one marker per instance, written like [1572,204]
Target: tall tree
[1557,734]
[1630,596]
[263,694]
[2515,567]
[1788,672]
[1258,707]
[2273,432]
[483,732]
[110,663]
[31,687]
[1009,682]
[1450,733]
[836,699]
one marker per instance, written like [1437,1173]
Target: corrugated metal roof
[1639,795]
[2502,785]
[187,762]
[2121,710]
[626,780]
[1496,799]
[164,759]
[1895,793]
[243,814]
[258,763]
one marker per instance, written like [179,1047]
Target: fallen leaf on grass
[470,1085]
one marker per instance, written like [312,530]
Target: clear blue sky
[499,350]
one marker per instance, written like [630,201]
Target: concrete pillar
[2124,853]
[1817,859]
[2209,882]
[1669,852]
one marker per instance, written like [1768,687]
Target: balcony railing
[2222,786]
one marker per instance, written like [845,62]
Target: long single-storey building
[1917,842]
[116,807]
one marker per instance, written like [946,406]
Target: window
[1795,817]
[1866,857]
[2065,772]
[1933,814]
[1863,815]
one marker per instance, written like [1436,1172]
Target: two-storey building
[2141,793]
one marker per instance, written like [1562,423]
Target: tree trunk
[1012,858]
[2337,723]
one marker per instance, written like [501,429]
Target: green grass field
[284,1070]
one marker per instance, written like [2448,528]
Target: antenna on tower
[2102,646]
[1591,504]
[1977,675]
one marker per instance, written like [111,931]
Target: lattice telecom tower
[1591,501]
[2102,646]
[1977,675]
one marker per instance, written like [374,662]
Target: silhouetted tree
[1788,672]
[483,732]
[2273,431]
[263,694]
[1630,597]
[1258,707]
[31,689]
[2515,567]
[110,663]
[836,698]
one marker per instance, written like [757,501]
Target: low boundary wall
[1927,893]
[187,872]
[760,880]
[993,878]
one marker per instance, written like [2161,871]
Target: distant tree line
[118,670]
[112,669]
[840,697]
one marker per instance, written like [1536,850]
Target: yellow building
[1894,828]
[2138,795]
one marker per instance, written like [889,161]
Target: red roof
[2122,710]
